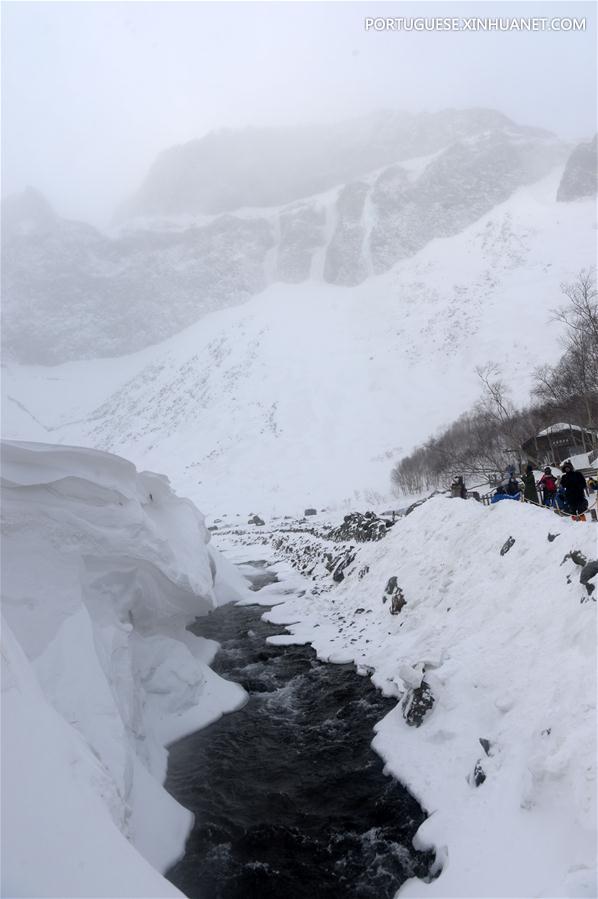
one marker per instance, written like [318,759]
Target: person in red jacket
[548,484]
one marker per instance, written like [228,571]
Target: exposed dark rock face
[231,169]
[417,704]
[576,556]
[486,745]
[52,267]
[394,593]
[345,262]
[454,190]
[310,512]
[588,572]
[255,519]
[361,528]
[415,505]
[397,602]
[580,178]
[479,775]
[301,233]
[339,564]
[507,546]
[309,554]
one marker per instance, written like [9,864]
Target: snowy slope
[72,292]
[306,394]
[102,569]
[506,644]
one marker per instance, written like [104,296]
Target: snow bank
[506,644]
[103,567]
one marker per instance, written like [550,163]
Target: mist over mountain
[230,169]
[73,292]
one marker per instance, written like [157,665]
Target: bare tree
[581,313]
[576,373]
[495,400]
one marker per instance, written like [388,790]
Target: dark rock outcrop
[576,556]
[52,267]
[580,178]
[479,775]
[394,593]
[339,564]
[417,704]
[301,233]
[485,744]
[507,546]
[588,572]
[257,167]
[361,528]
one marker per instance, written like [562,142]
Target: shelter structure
[559,442]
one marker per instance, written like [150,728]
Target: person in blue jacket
[503,491]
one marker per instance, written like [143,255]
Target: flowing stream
[289,799]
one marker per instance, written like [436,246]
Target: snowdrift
[103,567]
[496,643]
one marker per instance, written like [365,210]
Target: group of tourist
[567,491]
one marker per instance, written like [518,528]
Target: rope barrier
[486,498]
[555,509]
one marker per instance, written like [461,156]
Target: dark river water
[289,799]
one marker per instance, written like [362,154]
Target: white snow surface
[507,644]
[103,567]
[307,394]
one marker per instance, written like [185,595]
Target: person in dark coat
[512,487]
[458,487]
[561,500]
[529,485]
[575,489]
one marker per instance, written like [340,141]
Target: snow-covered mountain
[219,220]
[307,393]
[228,170]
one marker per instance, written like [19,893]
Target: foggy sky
[93,91]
